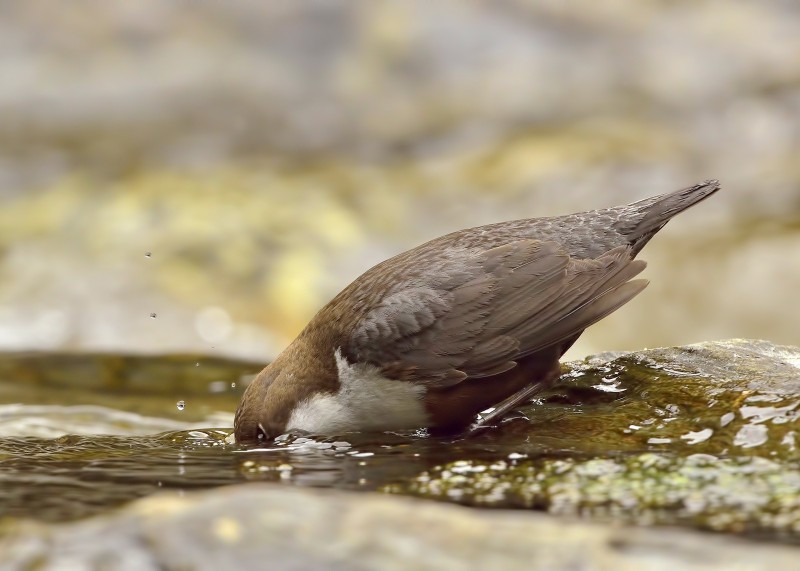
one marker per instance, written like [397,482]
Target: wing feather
[491,308]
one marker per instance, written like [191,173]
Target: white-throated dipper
[475,319]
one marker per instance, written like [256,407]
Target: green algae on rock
[702,435]
[744,494]
[725,398]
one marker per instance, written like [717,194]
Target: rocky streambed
[599,471]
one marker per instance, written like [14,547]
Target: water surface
[660,437]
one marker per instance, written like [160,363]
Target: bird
[470,321]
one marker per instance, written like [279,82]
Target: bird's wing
[500,305]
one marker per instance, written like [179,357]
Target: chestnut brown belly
[454,408]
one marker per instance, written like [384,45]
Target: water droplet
[148,254]
[181,405]
[153,316]
[197,364]
[233,385]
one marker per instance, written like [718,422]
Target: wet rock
[261,526]
[703,435]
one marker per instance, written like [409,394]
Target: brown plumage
[463,322]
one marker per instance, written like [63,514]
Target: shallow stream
[701,436]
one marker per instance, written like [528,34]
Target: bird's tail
[650,215]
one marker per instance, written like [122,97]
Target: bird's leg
[512,402]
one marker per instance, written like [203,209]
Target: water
[675,443]
[69,477]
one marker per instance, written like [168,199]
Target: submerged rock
[267,527]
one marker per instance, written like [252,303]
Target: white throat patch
[366,401]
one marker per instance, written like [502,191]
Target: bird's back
[584,235]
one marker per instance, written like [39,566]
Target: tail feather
[648,216]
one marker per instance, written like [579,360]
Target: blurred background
[204,176]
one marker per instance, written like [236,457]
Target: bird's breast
[365,401]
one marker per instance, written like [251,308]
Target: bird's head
[265,407]
[268,403]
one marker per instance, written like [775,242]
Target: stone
[262,526]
